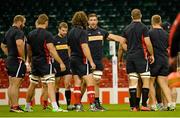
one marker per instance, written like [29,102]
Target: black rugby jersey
[96,39]
[61,46]
[37,39]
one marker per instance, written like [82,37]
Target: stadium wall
[105,95]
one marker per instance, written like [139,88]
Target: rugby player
[96,37]
[13,46]
[137,38]
[160,68]
[40,50]
[80,55]
[60,42]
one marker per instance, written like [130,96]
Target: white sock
[161,104]
[169,104]
[28,105]
[153,106]
[174,104]
[54,105]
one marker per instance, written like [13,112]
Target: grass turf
[113,111]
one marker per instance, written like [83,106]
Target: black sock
[68,96]
[158,97]
[133,92]
[137,102]
[130,102]
[145,93]
[57,98]
[97,102]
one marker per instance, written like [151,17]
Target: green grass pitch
[113,111]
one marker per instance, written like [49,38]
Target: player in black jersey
[96,37]
[80,55]
[160,68]
[137,38]
[13,46]
[40,50]
[60,43]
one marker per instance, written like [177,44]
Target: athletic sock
[137,101]
[68,96]
[158,97]
[45,103]
[77,95]
[91,94]
[54,105]
[145,93]
[57,98]
[132,92]
[28,105]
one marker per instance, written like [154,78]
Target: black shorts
[16,68]
[159,67]
[99,65]
[78,67]
[58,71]
[41,69]
[138,65]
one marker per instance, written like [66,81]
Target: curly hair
[80,19]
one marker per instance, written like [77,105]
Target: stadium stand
[113,15]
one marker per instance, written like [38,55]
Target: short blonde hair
[136,14]
[156,19]
[20,18]
[63,24]
[42,19]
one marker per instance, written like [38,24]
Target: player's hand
[93,66]
[120,64]
[28,67]
[63,67]
[151,59]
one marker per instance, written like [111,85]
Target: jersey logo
[61,47]
[99,32]
[95,38]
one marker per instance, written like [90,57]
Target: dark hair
[92,15]
[80,19]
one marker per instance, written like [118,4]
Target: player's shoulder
[102,29]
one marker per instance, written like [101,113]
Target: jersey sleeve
[19,35]
[83,37]
[4,41]
[49,38]
[146,32]
[106,33]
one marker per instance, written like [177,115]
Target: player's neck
[157,26]
[41,26]
[90,27]
[16,25]
[136,20]
[60,35]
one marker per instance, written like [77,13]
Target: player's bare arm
[87,53]
[4,48]
[55,55]
[150,49]
[20,48]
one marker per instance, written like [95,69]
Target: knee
[133,80]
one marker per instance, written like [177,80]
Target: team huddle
[78,54]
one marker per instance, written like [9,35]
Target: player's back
[38,39]
[77,35]
[135,33]
[159,39]
[11,36]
